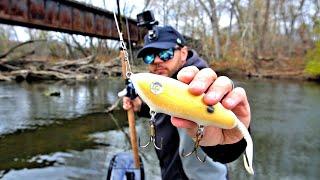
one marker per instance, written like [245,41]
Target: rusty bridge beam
[66,16]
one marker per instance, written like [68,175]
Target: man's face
[169,67]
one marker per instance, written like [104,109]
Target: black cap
[166,37]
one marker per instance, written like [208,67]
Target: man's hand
[128,104]
[216,89]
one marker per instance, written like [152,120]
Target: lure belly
[170,96]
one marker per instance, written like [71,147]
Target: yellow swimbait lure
[170,96]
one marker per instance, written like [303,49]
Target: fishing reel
[131,92]
[128,91]
[146,19]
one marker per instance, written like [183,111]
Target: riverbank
[37,69]
[266,69]
[90,68]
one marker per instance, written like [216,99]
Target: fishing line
[124,48]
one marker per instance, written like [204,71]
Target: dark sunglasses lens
[148,59]
[166,54]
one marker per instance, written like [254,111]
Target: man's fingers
[202,80]
[189,126]
[221,86]
[234,98]
[127,106]
[128,103]
[237,101]
[187,74]
[182,123]
[137,104]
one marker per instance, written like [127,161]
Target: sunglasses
[164,55]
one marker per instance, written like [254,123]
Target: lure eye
[156,87]
[210,109]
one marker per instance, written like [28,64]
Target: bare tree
[265,25]
[146,4]
[211,11]
[228,38]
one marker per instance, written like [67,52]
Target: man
[168,55]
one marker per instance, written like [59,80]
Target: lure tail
[248,156]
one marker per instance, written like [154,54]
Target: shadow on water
[27,105]
[64,137]
[16,149]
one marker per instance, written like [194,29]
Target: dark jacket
[170,161]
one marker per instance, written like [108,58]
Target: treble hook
[199,136]
[152,133]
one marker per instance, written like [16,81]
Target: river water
[70,137]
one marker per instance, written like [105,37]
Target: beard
[160,70]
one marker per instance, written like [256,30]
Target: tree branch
[19,45]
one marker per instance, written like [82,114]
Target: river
[70,137]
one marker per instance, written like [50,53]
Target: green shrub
[313,55]
[313,61]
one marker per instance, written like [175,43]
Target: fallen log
[5,78]
[22,64]
[33,70]
[77,62]
[64,71]
[19,75]
[8,67]
[52,75]
[88,69]
[32,75]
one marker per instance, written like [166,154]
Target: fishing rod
[126,71]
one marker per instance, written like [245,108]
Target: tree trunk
[212,13]
[226,47]
[265,26]
[239,16]
[294,17]
[80,47]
